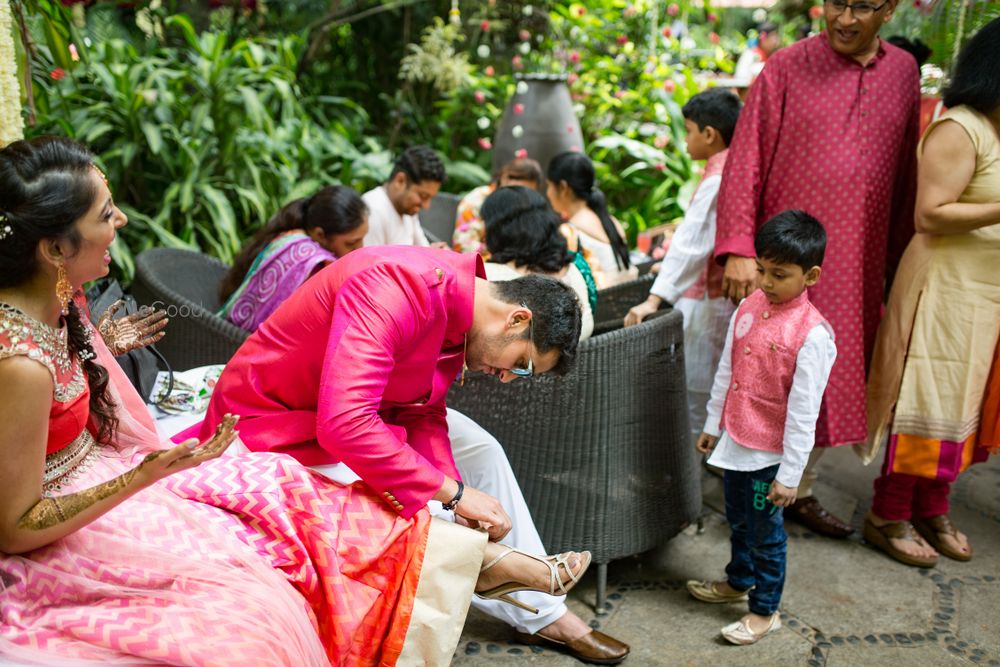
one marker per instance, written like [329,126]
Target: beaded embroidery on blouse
[66,464]
[46,345]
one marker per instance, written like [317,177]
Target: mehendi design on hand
[132,331]
[50,512]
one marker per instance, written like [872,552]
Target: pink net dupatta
[245,560]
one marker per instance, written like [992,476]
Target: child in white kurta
[689,279]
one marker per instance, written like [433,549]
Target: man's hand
[483,509]
[706,443]
[637,314]
[782,495]
[740,277]
[441,245]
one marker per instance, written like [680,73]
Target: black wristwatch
[453,503]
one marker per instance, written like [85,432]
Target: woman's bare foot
[916,547]
[522,568]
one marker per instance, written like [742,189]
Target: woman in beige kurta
[935,370]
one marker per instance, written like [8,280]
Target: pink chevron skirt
[245,560]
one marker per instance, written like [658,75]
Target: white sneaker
[740,632]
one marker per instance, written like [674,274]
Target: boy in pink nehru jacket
[762,416]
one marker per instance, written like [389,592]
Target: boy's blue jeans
[758,539]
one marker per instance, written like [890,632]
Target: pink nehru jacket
[766,342]
[354,368]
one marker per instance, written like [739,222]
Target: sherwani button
[746,350]
[736,386]
[440,273]
[765,314]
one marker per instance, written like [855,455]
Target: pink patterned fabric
[354,368]
[244,560]
[822,133]
[767,338]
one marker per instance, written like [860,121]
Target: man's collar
[824,40]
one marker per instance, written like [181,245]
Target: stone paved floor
[845,604]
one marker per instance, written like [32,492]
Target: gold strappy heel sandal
[557,585]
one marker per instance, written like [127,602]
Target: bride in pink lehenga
[114,550]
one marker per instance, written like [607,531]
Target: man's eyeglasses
[861,10]
[529,370]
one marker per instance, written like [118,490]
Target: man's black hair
[792,237]
[556,314]
[419,163]
[715,107]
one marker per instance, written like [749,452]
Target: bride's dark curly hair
[45,187]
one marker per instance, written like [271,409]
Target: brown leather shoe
[811,514]
[595,647]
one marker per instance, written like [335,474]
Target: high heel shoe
[557,586]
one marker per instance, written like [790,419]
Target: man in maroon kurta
[830,127]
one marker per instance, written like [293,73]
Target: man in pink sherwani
[830,127]
[353,370]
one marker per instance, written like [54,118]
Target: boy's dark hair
[792,237]
[419,163]
[975,79]
[916,48]
[556,313]
[715,107]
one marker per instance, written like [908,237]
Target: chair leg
[602,588]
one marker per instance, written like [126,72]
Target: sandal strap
[898,530]
[555,562]
[552,562]
[941,524]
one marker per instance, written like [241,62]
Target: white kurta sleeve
[812,370]
[419,238]
[692,245]
[377,217]
[723,376]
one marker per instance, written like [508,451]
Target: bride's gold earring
[64,290]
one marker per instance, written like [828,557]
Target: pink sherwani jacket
[354,368]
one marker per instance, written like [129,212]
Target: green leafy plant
[203,142]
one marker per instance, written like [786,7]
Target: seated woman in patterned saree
[114,550]
[298,241]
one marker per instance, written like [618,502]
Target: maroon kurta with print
[822,133]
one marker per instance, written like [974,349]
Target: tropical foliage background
[208,115]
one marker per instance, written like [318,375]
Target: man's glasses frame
[861,10]
[530,369]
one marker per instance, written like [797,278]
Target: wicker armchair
[614,302]
[603,455]
[186,284]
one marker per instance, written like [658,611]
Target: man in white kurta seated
[416,177]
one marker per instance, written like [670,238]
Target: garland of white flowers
[11,123]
